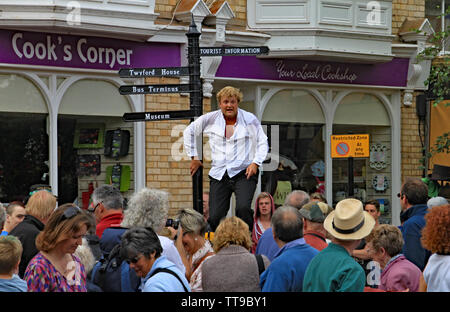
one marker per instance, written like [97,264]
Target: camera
[173,223]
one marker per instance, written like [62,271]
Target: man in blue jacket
[413,200]
[287,270]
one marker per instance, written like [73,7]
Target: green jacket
[334,270]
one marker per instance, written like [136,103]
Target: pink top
[42,276]
[400,274]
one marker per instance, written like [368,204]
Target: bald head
[287,224]
[297,199]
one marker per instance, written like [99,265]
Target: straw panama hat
[349,221]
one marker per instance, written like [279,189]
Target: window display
[300,160]
[371,175]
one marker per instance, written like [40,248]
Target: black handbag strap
[260,262]
[158,270]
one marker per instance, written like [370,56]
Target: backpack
[261,266]
[113,274]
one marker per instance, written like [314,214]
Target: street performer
[238,147]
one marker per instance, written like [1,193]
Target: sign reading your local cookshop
[17,47]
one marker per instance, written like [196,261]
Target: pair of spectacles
[399,195]
[93,209]
[134,260]
[70,213]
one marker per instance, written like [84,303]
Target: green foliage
[438,83]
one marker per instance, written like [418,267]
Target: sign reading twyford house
[18,47]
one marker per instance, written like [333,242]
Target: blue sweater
[163,282]
[414,221]
[287,270]
[267,245]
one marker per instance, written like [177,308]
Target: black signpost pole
[350,177]
[196,105]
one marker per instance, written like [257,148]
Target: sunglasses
[43,189]
[400,195]
[134,260]
[70,213]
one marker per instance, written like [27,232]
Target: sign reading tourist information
[228,51]
[154,72]
[350,145]
[154,89]
[162,115]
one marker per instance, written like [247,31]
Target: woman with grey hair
[146,208]
[142,250]
[192,245]
[385,245]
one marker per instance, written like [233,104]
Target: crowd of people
[303,245]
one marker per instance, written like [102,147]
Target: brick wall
[411,148]
[166,8]
[401,9]
[164,140]
[239,8]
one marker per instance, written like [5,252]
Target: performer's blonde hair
[229,92]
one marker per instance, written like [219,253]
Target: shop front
[303,103]
[61,113]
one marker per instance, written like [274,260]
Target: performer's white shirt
[247,145]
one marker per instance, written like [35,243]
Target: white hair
[436,201]
[147,208]
[86,256]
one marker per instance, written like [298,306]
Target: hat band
[349,231]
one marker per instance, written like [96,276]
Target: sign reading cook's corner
[32,48]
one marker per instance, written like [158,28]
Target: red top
[108,221]
[315,239]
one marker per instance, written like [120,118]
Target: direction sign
[153,72]
[154,89]
[224,51]
[162,115]
[350,145]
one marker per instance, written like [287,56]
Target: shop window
[295,127]
[24,140]
[94,98]
[24,156]
[18,94]
[89,110]
[371,175]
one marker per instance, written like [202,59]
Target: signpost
[153,72]
[155,89]
[350,146]
[155,116]
[194,88]
[230,51]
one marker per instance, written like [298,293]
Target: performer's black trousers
[220,194]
